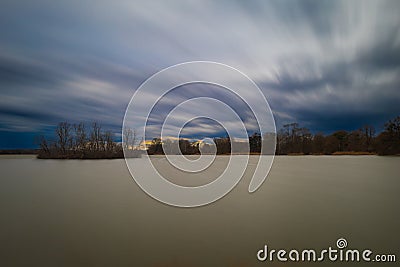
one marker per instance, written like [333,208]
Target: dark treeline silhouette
[388,142]
[292,139]
[77,141]
[221,145]
[157,147]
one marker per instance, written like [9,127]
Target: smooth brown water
[91,213]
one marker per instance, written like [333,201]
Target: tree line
[80,141]
[77,141]
[293,139]
[172,147]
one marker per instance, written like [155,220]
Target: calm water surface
[91,213]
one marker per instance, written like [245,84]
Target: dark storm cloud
[344,95]
[325,64]
[42,93]
[384,55]
[342,88]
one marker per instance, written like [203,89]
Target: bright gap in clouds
[201,127]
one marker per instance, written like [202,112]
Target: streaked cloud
[325,64]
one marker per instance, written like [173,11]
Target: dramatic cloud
[324,64]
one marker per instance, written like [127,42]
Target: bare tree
[134,139]
[130,138]
[95,137]
[369,134]
[80,136]
[64,137]
[109,142]
[44,144]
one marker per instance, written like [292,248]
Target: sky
[328,65]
